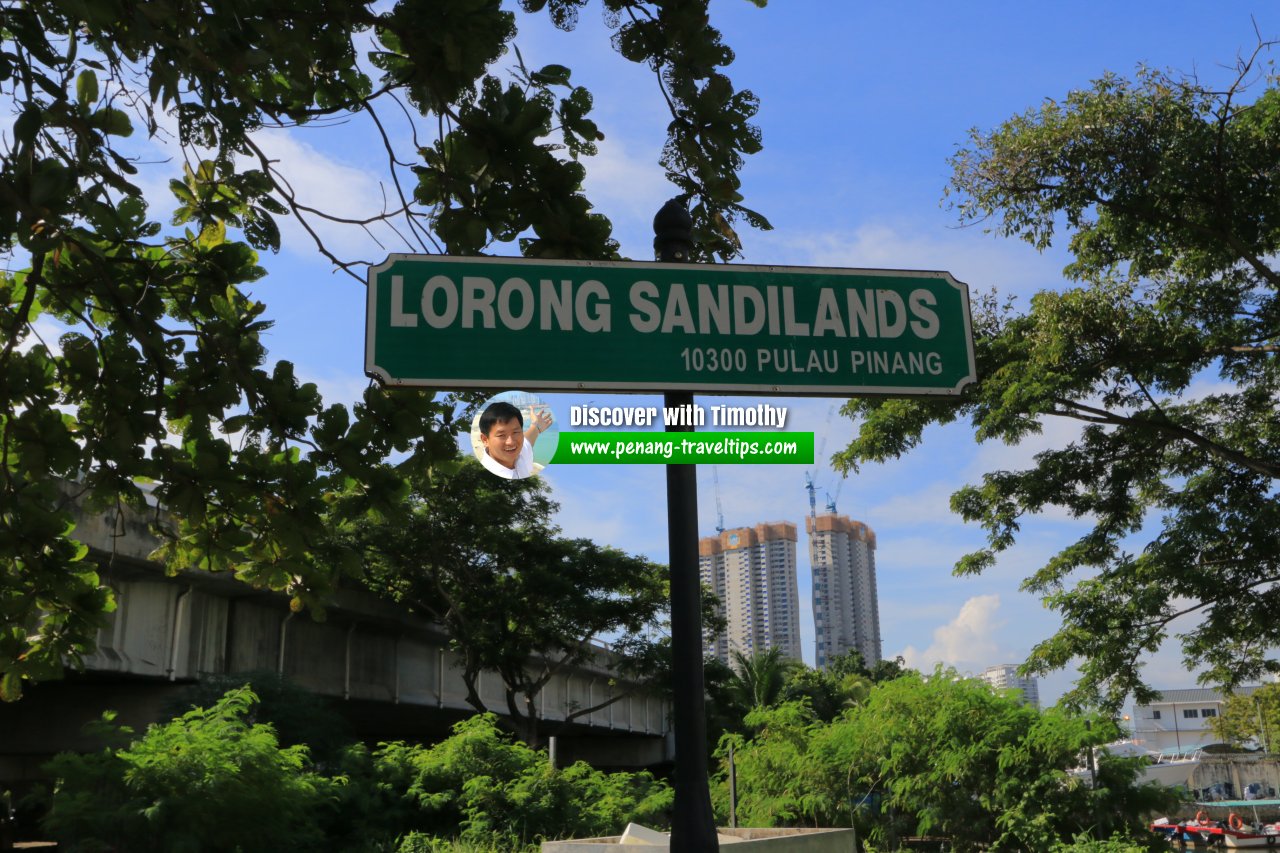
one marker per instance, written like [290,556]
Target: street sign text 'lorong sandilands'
[448,322]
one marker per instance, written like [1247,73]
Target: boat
[1235,832]
[1171,767]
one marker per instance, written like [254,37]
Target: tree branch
[395,177]
[630,691]
[287,194]
[1163,621]
[28,299]
[1169,428]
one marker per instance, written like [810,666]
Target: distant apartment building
[1005,676]
[1180,720]
[846,613]
[753,572]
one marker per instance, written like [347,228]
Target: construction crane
[809,483]
[715,478]
[813,500]
[831,501]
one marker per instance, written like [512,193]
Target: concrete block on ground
[789,840]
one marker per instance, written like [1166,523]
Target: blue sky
[861,105]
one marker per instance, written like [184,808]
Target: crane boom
[831,499]
[715,478]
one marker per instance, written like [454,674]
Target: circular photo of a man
[514,435]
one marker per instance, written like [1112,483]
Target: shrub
[213,780]
[943,756]
[1119,844]
[206,780]
[485,788]
[297,715]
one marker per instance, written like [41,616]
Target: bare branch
[1080,411]
[395,177]
[286,193]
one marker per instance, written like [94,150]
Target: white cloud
[995,455]
[966,642]
[622,507]
[932,502]
[1207,385]
[919,554]
[47,331]
[971,256]
[320,181]
[902,610]
[345,388]
[626,186]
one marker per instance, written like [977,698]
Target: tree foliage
[482,787]
[1252,718]
[938,756]
[296,715]
[1163,349]
[213,780]
[767,679]
[845,682]
[207,778]
[480,556]
[160,374]
[759,678]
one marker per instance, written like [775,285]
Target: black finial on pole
[673,233]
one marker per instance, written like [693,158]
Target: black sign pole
[693,827]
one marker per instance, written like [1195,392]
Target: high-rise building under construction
[753,572]
[846,613]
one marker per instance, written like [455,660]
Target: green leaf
[10,686]
[213,234]
[87,88]
[112,121]
[551,75]
[261,231]
[28,124]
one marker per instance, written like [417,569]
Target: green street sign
[448,322]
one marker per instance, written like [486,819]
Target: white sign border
[720,390]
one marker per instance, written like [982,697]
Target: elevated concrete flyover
[392,675]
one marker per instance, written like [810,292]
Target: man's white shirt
[524,463]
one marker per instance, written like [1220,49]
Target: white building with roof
[1005,676]
[1180,721]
